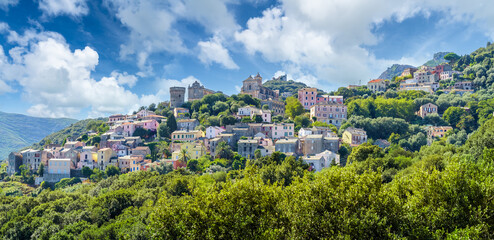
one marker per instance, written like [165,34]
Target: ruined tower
[177,96]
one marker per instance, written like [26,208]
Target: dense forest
[408,190]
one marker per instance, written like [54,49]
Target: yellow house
[187,136]
[104,157]
[195,151]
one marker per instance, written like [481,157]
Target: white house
[213,131]
[266,116]
[246,111]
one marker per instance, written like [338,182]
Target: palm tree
[184,155]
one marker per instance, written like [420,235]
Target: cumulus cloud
[57,81]
[328,39]
[212,51]
[124,78]
[5,4]
[74,8]
[152,25]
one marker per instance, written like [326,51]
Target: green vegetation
[217,109]
[439,192]
[75,130]
[19,131]
[285,86]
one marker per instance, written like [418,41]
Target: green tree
[183,155]
[171,123]
[224,150]
[86,171]
[257,118]
[453,115]
[227,120]
[451,57]
[112,171]
[293,107]
[163,131]
[41,169]
[365,151]
[193,165]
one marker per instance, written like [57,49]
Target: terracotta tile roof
[376,80]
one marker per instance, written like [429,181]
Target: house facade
[427,109]
[333,113]
[354,136]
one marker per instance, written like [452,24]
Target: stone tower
[196,91]
[177,96]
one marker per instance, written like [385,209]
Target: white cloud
[124,78]
[58,83]
[152,25]
[74,8]
[328,39]
[5,4]
[213,51]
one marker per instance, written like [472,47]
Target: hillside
[74,130]
[437,60]
[394,71]
[19,131]
[286,86]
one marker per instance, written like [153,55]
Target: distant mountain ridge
[18,131]
[394,71]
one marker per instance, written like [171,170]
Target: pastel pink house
[282,130]
[307,97]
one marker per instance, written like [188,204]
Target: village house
[187,136]
[105,156]
[325,131]
[144,113]
[213,131]
[14,162]
[116,118]
[427,109]
[282,130]
[354,136]
[438,131]
[194,151]
[141,151]
[276,107]
[58,168]
[316,163]
[187,124]
[307,97]
[31,158]
[288,146]
[464,85]
[247,147]
[330,158]
[333,113]
[246,111]
[317,143]
[74,144]
[408,72]
[180,112]
[378,85]
[266,116]
[328,99]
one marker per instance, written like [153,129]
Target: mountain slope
[394,71]
[18,131]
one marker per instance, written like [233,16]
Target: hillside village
[259,121]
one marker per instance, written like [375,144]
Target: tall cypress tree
[171,123]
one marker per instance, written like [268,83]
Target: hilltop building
[198,91]
[253,86]
[177,96]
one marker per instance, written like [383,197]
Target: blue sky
[82,58]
